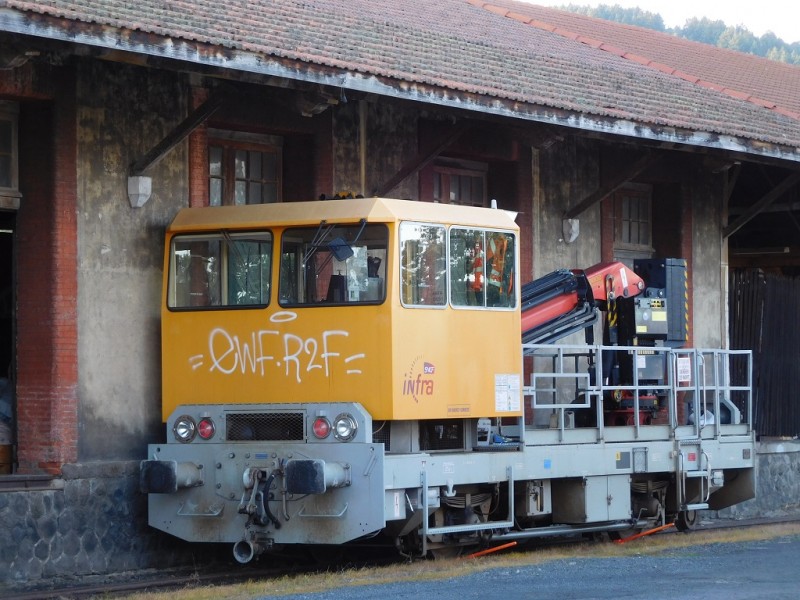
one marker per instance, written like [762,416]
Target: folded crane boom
[566,301]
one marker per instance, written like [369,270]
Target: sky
[782,17]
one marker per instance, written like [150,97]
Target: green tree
[701,30]
[618,14]
[738,38]
[704,30]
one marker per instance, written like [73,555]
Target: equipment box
[591,499]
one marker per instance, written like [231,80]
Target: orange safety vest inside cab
[477,270]
[497,254]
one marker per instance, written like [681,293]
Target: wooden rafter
[178,134]
[762,204]
[616,182]
[422,160]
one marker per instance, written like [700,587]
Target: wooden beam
[614,184]
[422,160]
[731,177]
[759,206]
[178,134]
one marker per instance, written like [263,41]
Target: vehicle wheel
[686,520]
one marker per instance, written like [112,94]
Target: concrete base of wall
[777,483]
[94,522]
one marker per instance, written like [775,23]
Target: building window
[459,182]
[243,168]
[9,161]
[633,223]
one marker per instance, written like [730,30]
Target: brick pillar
[198,153]
[47,361]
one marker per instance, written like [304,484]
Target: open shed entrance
[7,295]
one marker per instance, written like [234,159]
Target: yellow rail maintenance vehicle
[351,371]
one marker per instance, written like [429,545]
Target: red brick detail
[324,171]
[198,154]
[47,283]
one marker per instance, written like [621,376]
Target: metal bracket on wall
[140,186]
[614,182]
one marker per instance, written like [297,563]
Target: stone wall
[777,484]
[92,521]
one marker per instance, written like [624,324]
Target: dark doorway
[7,352]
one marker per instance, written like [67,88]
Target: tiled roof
[486,48]
[769,83]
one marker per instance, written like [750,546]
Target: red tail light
[206,428]
[321,427]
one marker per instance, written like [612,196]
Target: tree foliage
[706,31]
[629,16]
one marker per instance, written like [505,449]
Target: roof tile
[499,49]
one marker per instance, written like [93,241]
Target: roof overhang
[209,59]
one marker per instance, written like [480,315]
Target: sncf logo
[419,381]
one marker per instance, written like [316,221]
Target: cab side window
[220,270]
[423,265]
[333,264]
[482,268]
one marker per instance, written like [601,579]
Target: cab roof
[374,210]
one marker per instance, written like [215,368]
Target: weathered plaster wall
[122,112]
[391,141]
[707,292]
[568,172]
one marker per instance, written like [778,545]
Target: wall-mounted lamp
[139,190]
[570,229]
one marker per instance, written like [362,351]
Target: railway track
[223,575]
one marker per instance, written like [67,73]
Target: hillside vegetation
[716,33]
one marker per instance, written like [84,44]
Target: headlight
[345,427]
[184,429]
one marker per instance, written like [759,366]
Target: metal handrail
[686,372]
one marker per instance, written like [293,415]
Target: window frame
[225,239]
[10,195]
[486,273]
[232,142]
[624,248]
[439,174]
[290,235]
[401,258]
[448,283]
